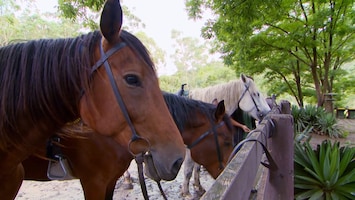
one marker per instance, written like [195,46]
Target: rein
[139,157]
[204,135]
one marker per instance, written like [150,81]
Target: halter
[204,135]
[103,61]
[252,98]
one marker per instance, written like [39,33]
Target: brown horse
[240,96]
[98,162]
[49,82]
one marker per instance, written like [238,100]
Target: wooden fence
[245,178]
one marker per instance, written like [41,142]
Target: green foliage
[301,44]
[87,13]
[195,66]
[159,54]
[84,12]
[314,119]
[212,74]
[31,25]
[325,173]
[345,89]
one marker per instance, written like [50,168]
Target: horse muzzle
[262,114]
[153,172]
[149,168]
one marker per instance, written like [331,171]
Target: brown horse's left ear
[220,111]
[111,20]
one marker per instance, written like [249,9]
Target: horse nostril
[261,116]
[177,165]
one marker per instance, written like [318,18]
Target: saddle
[58,166]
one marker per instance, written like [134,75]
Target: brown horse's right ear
[220,111]
[111,20]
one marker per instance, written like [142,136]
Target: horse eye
[132,80]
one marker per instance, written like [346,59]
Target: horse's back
[229,92]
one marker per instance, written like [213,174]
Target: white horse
[242,94]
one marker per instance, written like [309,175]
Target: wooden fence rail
[238,179]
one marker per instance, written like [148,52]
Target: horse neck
[185,112]
[235,90]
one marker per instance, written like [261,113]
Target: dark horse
[49,82]
[98,162]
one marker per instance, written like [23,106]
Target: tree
[28,24]
[87,12]
[157,54]
[301,44]
[194,63]
[196,66]
[189,55]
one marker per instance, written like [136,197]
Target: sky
[160,18]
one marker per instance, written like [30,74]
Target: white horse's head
[251,100]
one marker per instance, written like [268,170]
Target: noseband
[204,135]
[104,61]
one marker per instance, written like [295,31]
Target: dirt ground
[347,125]
[71,190]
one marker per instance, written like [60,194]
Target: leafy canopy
[301,45]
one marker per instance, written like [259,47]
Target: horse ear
[111,20]
[243,77]
[220,111]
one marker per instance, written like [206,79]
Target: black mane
[184,110]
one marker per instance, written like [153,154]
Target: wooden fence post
[280,182]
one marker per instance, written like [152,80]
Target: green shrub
[325,173]
[315,119]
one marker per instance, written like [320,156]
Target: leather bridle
[104,61]
[204,135]
[260,114]
[140,157]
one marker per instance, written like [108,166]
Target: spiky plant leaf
[327,172]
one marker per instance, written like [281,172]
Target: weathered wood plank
[280,181]
[237,180]
[241,171]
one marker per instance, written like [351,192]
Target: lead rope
[150,163]
[139,160]
[161,190]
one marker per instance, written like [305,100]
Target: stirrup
[59,169]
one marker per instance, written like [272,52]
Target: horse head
[251,100]
[123,99]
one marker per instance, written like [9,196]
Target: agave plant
[327,125]
[325,173]
[315,119]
